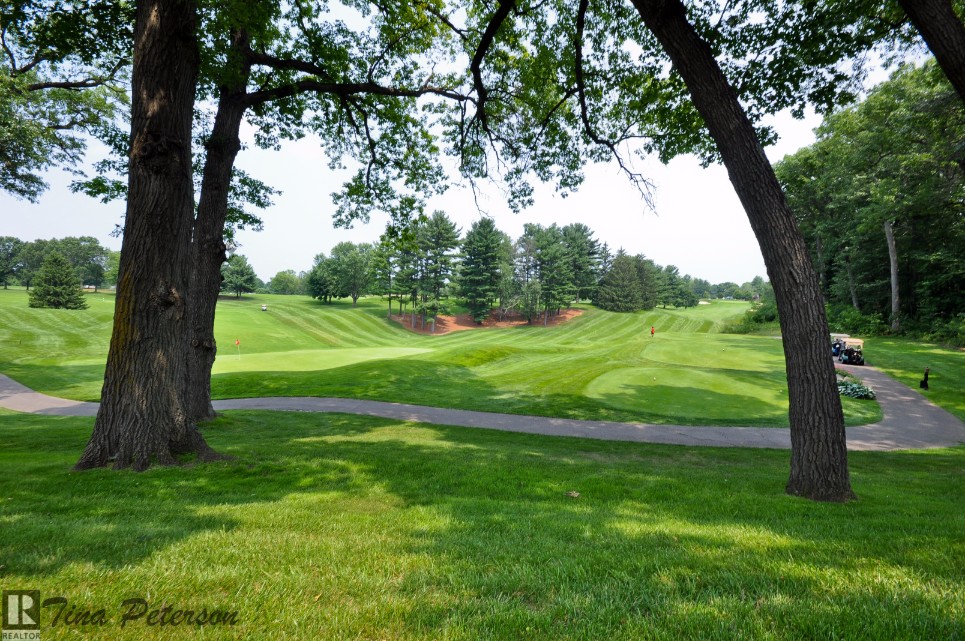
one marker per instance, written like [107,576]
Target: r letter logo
[21,611]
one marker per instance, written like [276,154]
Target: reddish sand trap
[446,324]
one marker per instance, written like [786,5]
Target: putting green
[306,360]
[691,394]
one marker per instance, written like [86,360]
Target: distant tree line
[92,264]
[880,198]
[536,276]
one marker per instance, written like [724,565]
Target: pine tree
[619,289]
[480,273]
[57,285]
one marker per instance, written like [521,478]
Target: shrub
[757,318]
[855,390]
[850,321]
[950,332]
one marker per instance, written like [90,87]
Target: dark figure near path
[924,382]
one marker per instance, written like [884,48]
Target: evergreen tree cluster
[536,276]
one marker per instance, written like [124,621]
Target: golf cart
[837,344]
[852,353]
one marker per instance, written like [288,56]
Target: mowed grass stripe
[300,347]
[52,331]
[299,323]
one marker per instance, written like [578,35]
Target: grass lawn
[600,366]
[906,361]
[342,527]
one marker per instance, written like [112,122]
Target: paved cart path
[910,420]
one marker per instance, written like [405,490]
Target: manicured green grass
[906,361]
[341,527]
[600,366]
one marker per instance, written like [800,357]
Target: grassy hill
[598,366]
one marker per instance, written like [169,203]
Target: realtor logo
[21,614]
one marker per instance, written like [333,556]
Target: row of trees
[238,277]
[93,264]
[542,271]
[880,198]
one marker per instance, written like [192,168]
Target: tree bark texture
[893,264]
[944,34]
[819,457]
[142,418]
[208,247]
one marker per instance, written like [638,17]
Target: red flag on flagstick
[237,341]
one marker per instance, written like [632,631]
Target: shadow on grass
[68,380]
[697,405]
[419,381]
[661,542]
[659,536]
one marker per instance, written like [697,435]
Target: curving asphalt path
[910,420]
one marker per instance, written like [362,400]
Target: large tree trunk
[944,34]
[208,248]
[893,264]
[819,457]
[142,419]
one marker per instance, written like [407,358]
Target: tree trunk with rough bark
[142,418]
[893,264]
[944,34]
[208,247]
[819,457]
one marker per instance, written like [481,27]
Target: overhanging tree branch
[475,66]
[350,89]
[639,181]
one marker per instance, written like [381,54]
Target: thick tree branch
[86,83]
[350,89]
[40,57]
[488,37]
[447,22]
[7,50]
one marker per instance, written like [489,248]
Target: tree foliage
[57,285]
[895,159]
[351,269]
[238,276]
[62,71]
[10,249]
[620,287]
[321,280]
[481,268]
[86,255]
[286,282]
